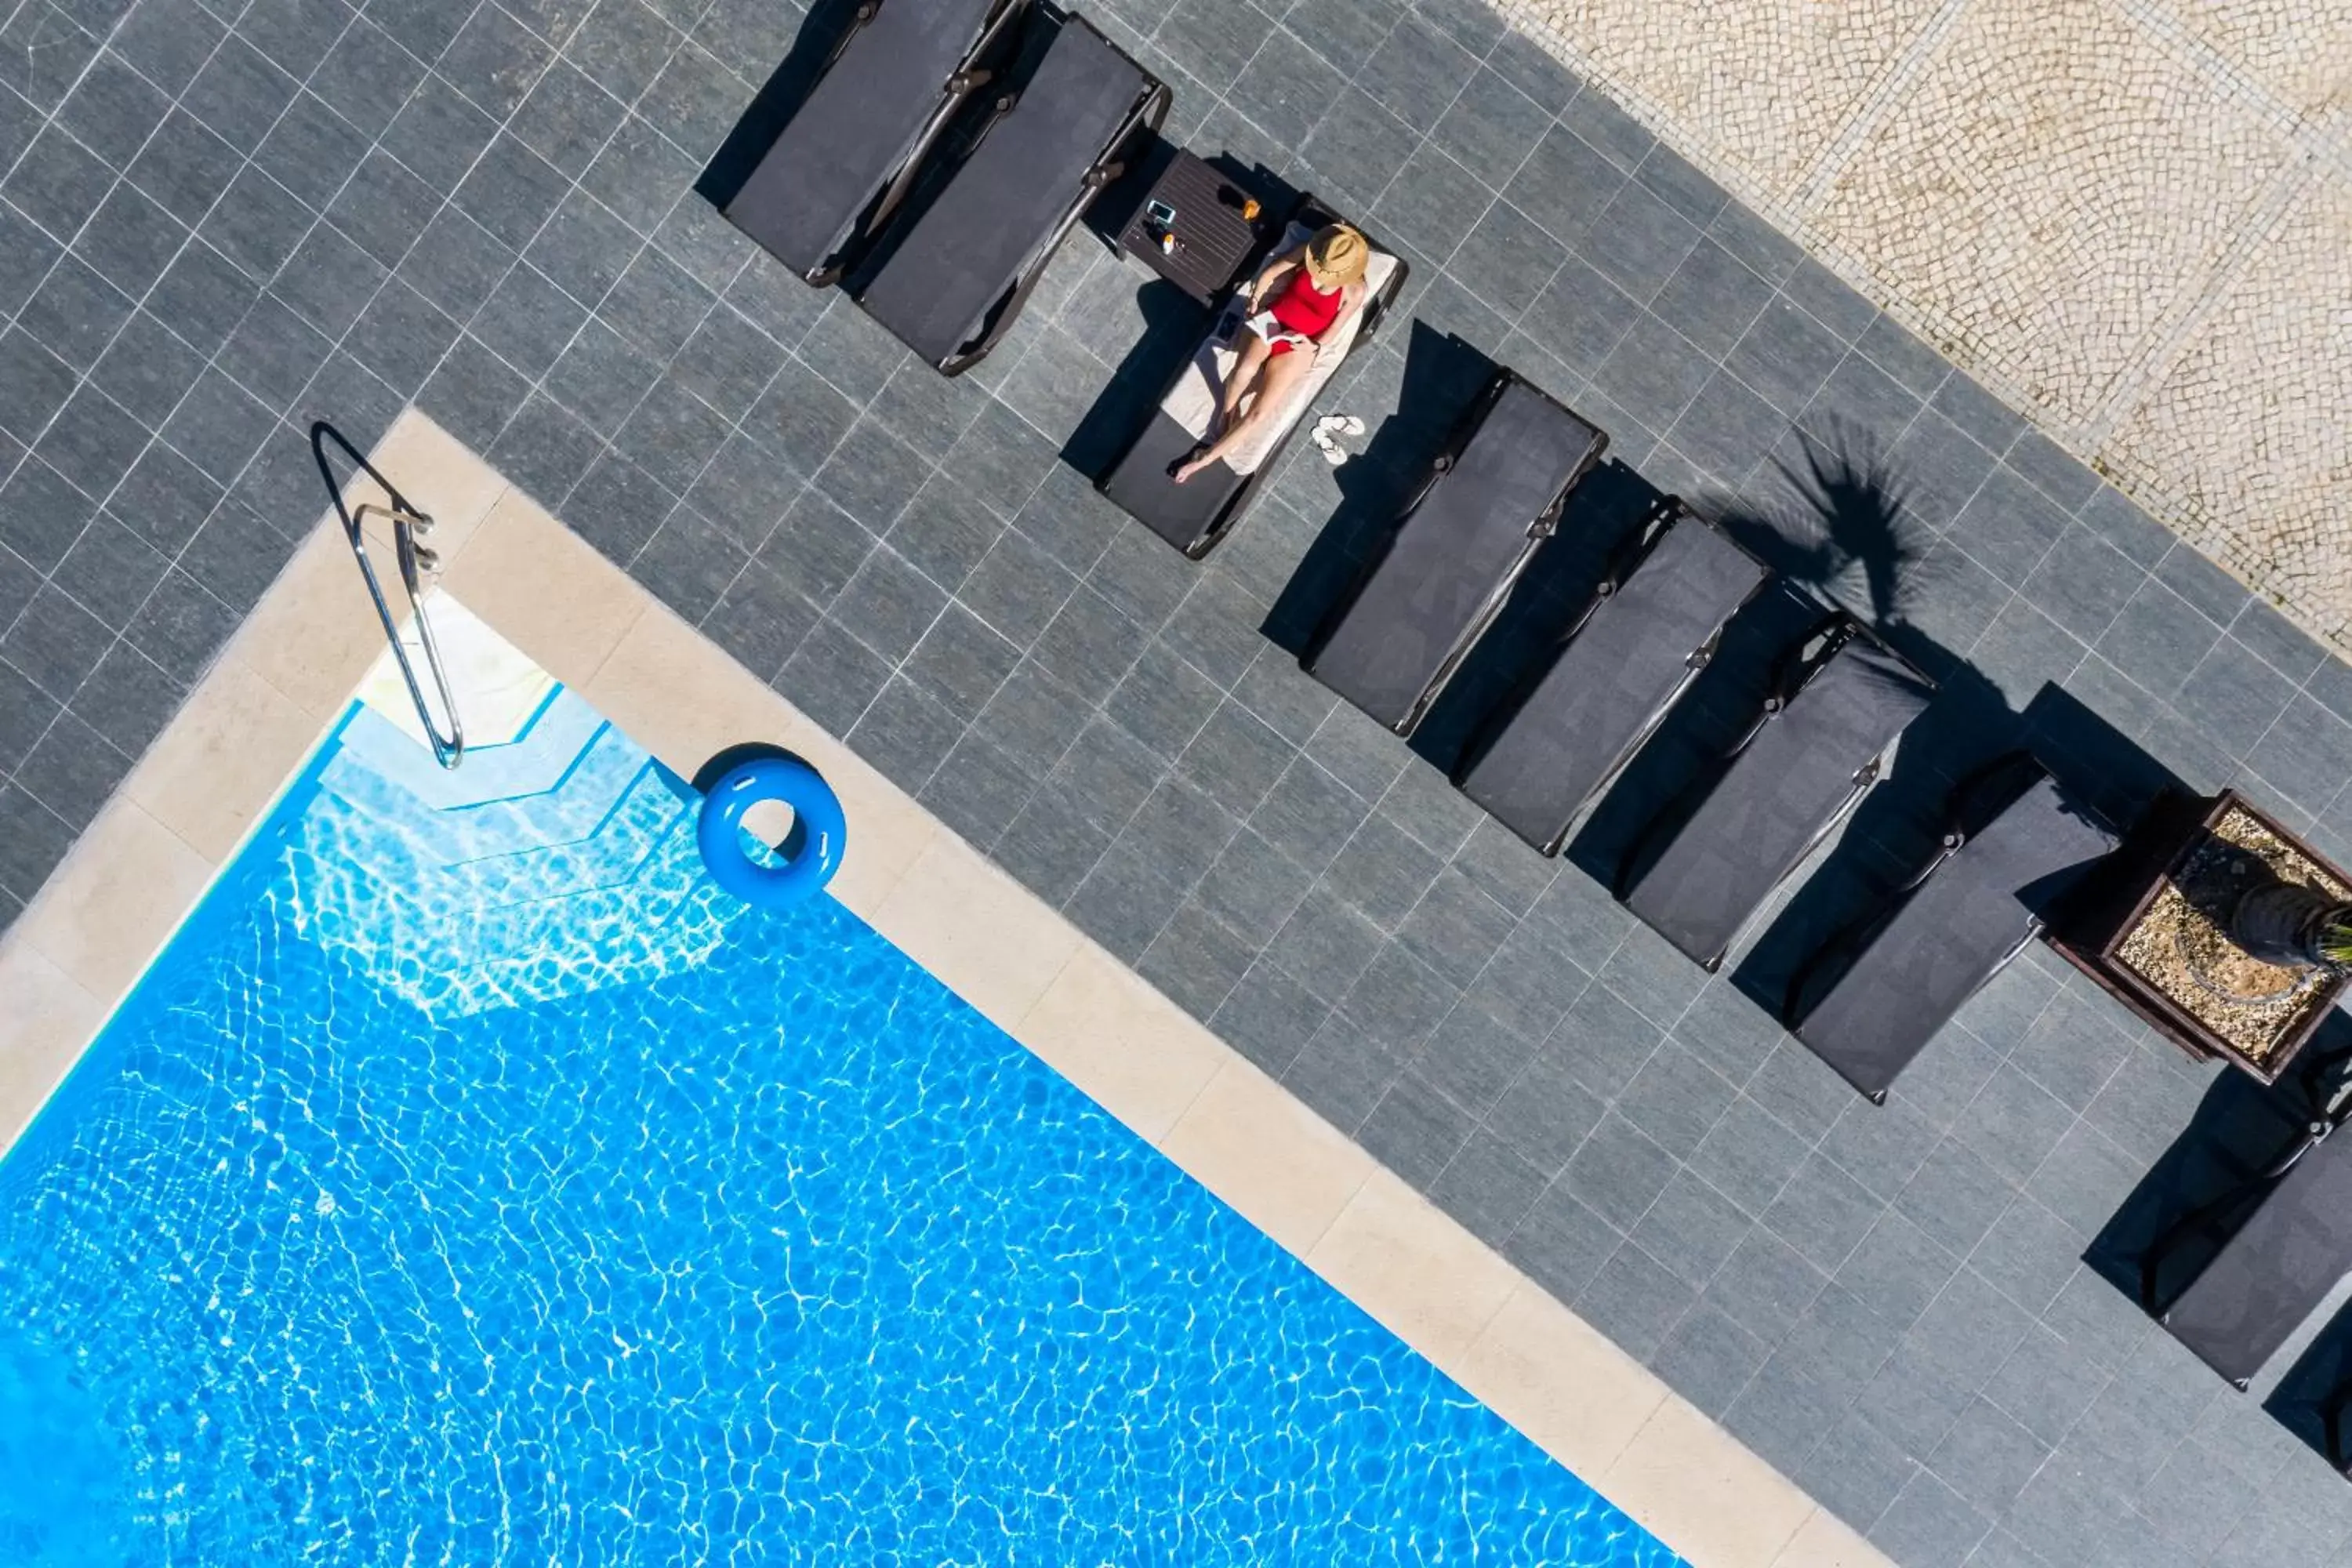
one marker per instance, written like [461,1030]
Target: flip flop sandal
[1333,456]
[1349,424]
[1323,439]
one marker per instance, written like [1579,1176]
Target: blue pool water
[469,1185]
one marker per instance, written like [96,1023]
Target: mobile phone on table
[1160,216]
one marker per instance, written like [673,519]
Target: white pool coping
[246,730]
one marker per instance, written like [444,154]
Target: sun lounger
[2293,1248]
[958,269]
[843,163]
[1650,626]
[2014,846]
[1441,574]
[1838,706]
[1193,516]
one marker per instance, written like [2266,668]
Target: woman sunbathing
[1313,288]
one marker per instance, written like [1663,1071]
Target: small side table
[1213,241]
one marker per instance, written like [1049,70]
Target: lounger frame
[1969,809]
[976,70]
[1792,672]
[1236,506]
[2238,1204]
[1145,116]
[1662,514]
[970,78]
[1540,528]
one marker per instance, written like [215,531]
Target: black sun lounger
[958,271]
[1441,574]
[839,169]
[1839,705]
[2293,1248]
[2014,847]
[1650,628]
[1193,516]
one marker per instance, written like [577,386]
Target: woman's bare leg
[1253,359]
[1283,372]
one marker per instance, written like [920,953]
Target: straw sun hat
[1336,257]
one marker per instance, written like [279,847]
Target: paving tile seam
[1941,534]
[448,201]
[48,122]
[1222,99]
[245,164]
[1922,1464]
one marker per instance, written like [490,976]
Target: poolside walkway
[214,226]
[254,724]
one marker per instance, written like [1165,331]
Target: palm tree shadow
[1835,517]
[1839,522]
[1833,522]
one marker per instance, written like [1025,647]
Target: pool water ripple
[733,1238]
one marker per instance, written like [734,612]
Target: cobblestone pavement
[2132,218]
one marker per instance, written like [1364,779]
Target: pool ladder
[417,563]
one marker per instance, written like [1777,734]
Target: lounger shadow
[1698,874]
[951,275]
[1652,623]
[843,163]
[1870,997]
[1197,514]
[1442,573]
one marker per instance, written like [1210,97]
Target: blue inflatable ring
[812,853]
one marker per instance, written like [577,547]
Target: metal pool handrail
[407,525]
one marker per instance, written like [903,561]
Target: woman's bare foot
[1191,466]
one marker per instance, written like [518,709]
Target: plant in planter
[2294,926]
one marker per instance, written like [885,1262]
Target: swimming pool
[469,1183]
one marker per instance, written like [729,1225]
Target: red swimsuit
[1306,309]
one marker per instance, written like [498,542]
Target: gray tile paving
[217,223]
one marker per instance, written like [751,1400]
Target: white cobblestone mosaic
[2296,52]
[2132,218]
[2245,439]
[2066,281]
[1774,81]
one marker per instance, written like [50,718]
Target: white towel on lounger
[1192,401]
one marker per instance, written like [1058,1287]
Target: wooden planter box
[2095,931]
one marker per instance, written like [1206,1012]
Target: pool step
[452,903]
[549,876]
[453,956]
[533,762]
[670,918]
[566,799]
